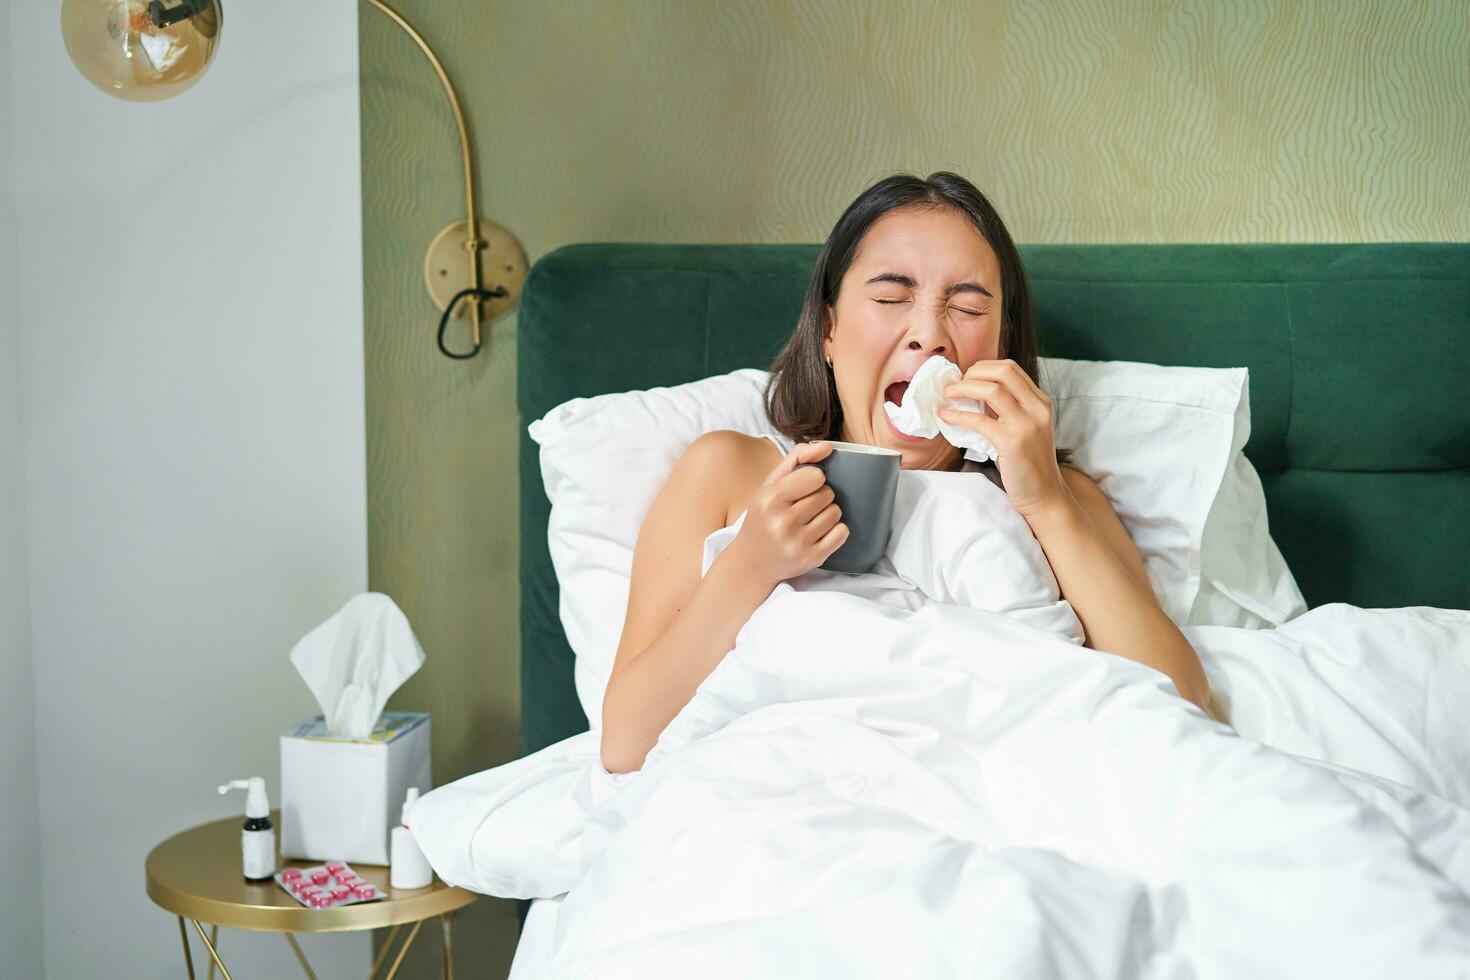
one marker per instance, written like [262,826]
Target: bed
[1362,504]
[1355,354]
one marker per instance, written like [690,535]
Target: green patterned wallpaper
[685,121]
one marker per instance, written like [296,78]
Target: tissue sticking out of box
[919,413]
[356,659]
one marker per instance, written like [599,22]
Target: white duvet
[922,773]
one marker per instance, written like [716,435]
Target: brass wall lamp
[148,50]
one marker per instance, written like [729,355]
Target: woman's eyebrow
[905,281]
[908,283]
[968,287]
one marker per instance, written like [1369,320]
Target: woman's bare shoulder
[733,461]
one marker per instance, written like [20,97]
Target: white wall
[189,295]
[20,842]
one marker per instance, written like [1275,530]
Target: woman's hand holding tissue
[1018,422]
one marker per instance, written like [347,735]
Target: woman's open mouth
[894,393]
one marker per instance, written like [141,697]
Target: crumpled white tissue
[356,659]
[919,413]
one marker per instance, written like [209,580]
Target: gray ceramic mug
[864,480]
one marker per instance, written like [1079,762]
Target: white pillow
[1244,581]
[1163,443]
[1166,446]
[603,460]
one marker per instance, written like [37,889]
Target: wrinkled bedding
[951,786]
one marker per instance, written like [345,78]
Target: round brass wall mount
[502,263]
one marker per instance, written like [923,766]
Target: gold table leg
[383,951]
[296,947]
[403,950]
[212,951]
[446,926]
[446,929]
[188,956]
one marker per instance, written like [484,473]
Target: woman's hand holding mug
[792,524]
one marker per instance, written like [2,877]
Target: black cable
[495,293]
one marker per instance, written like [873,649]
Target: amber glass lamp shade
[141,50]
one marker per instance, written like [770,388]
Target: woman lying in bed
[914,268]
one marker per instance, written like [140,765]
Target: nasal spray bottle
[409,868]
[258,840]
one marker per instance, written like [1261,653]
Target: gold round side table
[196,875]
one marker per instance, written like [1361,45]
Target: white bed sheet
[533,952]
[914,773]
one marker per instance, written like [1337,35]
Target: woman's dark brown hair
[801,393]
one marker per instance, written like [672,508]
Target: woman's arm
[1100,573]
[1095,504]
[678,626]
[1114,601]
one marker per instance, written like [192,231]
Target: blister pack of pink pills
[327,885]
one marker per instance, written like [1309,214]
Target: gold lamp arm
[472,243]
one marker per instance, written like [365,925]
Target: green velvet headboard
[1357,358]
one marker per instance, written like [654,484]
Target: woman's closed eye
[964,311]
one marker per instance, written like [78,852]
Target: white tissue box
[341,796]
